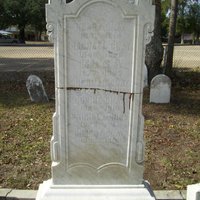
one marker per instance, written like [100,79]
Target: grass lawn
[172,135]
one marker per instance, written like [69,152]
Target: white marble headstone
[193,192]
[160,89]
[98,124]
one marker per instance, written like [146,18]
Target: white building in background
[30,34]
[186,38]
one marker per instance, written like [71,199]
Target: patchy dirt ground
[172,135]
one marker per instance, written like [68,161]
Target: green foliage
[182,15]
[22,13]
[188,20]
[37,11]
[164,24]
[16,12]
[2,22]
[193,19]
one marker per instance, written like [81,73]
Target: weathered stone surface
[36,89]
[98,124]
[160,91]
[4,192]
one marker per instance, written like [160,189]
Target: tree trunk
[22,34]
[197,38]
[171,36]
[154,50]
[40,35]
[182,38]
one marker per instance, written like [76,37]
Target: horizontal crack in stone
[96,89]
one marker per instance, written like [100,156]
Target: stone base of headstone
[48,191]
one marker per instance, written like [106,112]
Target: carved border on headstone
[77,14]
[113,3]
[148,33]
[50,31]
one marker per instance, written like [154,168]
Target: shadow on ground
[26,64]
[16,95]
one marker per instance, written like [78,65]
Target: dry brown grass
[172,134]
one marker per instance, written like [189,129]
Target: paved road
[26,58]
[40,57]
[187,56]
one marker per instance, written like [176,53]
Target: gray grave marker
[36,89]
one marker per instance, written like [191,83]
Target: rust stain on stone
[104,90]
[124,105]
[94,89]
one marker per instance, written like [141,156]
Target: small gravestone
[193,192]
[36,89]
[160,90]
[97,148]
[145,76]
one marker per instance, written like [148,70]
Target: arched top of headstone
[134,2]
[59,10]
[160,79]
[33,79]
[128,8]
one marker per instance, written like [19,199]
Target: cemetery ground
[172,135]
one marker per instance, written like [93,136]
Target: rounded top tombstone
[161,78]
[160,89]
[36,89]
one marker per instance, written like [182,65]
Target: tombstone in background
[36,89]
[145,76]
[160,90]
[193,192]
[97,148]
